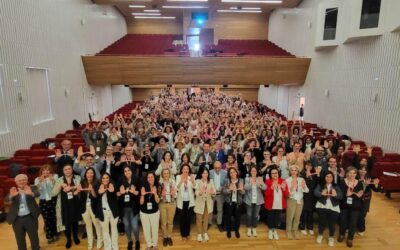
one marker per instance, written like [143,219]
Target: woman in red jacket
[275,200]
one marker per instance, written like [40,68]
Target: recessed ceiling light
[239,11]
[155,17]
[184,7]
[151,10]
[137,6]
[146,14]
[252,1]
[245,8]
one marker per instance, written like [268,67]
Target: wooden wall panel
[247,94]
[148,26]
[144,94]
[195,70]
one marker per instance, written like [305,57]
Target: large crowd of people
[194,156]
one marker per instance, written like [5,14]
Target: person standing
[301,113]
[218,176]
[24,213]
[167,205]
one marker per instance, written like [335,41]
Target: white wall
[351,72]
[50,34]
[275,97]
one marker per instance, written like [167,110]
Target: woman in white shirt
[281,161]
[185,185]
[205,191]
[296,185]
[166,163]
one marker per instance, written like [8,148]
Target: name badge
[70,195]
[127,198]
[88,202]
[207,166]
[146,166]
[47,197]
[22,208]
[349,200]
[234,196]
[149,206]
[168,198]
[97,149]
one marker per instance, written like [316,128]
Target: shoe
[254,231]
[304,232]
[349,243]
[199,238]
[228,234]
[311,232]
[331,241]
[319,238]
[165,242]
[270,234]
[84,235]
[297,235]
[276,236]
[289,235]
[220,228]
[248,232]
[205,237]
[361,233]
[340,238]
[68,244]
[169,242]
[237,234]
[77,241]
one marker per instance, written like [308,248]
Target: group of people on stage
[186,156]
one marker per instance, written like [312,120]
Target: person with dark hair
[128,193]
[329,196]
[107,211]
[353,191]
[88,205]
[205,191]
[148,163]
[185,185]
[149,211]
[253,198]
[109,165]
[66,187]
[233,192]
[205,159]
[306,219]
[248,162]
[369,185]
[275,201]
[166,163]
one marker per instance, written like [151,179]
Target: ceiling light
[187,0]
[151,10]
[146,14]
[137,6]
[155,17]
[184,7]
[239,11]
[245,8]
[252,1]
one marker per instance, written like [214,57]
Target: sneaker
[248,232]
[289,235]
[199,238]
[331,241]
[361,233]
[254,231]
[304,232]
[205,237]
[270,234]
[276,236]
[319,239]
[311,232]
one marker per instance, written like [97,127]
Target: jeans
[131,222]
[252,212]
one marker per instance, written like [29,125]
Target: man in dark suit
[206,159]
[24,213]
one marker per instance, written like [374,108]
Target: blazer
[228,194]
[248,192]
[269,194]
[203,199]
[322,199]
[112,202]
[220,156]
[223,175]
[31,203]
[179,193]
[211,159]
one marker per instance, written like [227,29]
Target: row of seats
[230,47]
[146,44]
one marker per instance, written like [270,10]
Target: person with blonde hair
[45,182]
[167,205]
